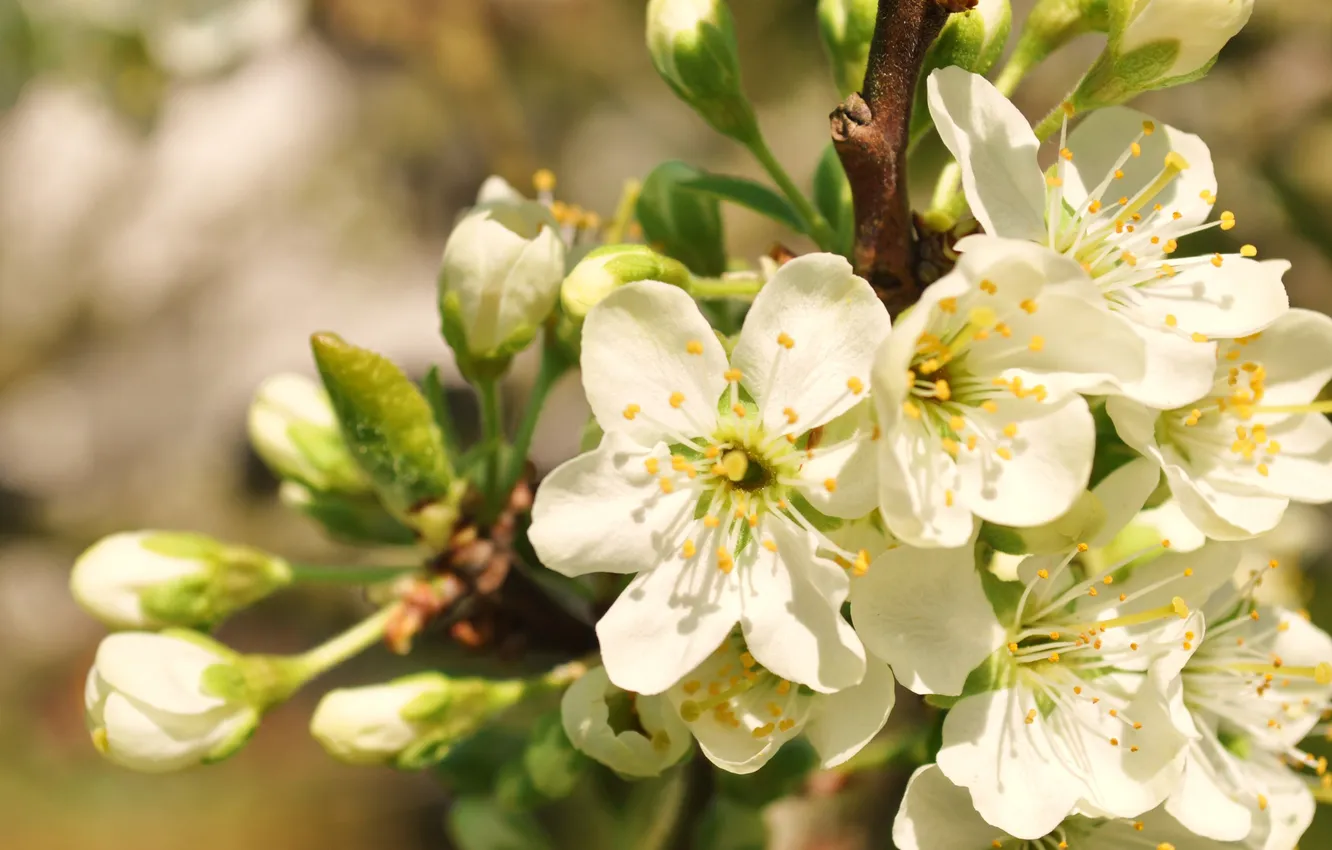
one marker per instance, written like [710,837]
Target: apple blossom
[635,735]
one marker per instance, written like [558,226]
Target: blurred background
[189,188]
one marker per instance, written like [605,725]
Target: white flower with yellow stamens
[1254,689]
[1055,715]
[631,734]
[715,473]
[1124,191]
[741,713]
[976,391]
[1235,459]
[937,815]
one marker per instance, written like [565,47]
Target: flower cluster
[754,487]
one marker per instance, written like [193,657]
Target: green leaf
[353,519]
[749,194]
[387,423]
[680,222]
[478,823]
[728,825]
[832,197]
[439,406]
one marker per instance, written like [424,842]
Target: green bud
[155,579]
[971,40]
[293,428]
[681,222]
[393,435]
[847,28]
[353,519]
[411,722]
[611,266]
[692,44]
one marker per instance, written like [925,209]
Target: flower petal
[138,740]
[1300,471]
[160,671]
[996,148]
[1201,803]
[1016,780]
[849,719]
[602,512]
[638,349]
[916,477]
[932,648]
[666,622]
[791,613]
[935,813]
[845,456]
[1296,354]
[1238,298]
[1104,136]
[833,322]
[1178,369]
[1050,462]
[1122,494]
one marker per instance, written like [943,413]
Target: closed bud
[499,281]
[155,579]
[294,429]
[611,266]
[162,702]
[1156,44]
[692,44]
[411,722]
[847,28]
[971,40]
[632,734]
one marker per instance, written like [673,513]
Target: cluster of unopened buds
[1024,497]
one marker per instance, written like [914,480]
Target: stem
[336,650]
[552,368]
[346,575]
[816,224]
[872,132]
[624,212]
[492,435]
[1050,124]
[725,287]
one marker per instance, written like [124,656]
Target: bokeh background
[189,188]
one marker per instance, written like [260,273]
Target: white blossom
[1124,191]
[976,392]
[153,703]
[714,473]
[1055,715]
[937,815]
[633,734]
[742,713]
[294,429]
[366,725]
[1236,458]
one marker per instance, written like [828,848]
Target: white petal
[1201,801]
[846,455]
[792,624]
[136,740]
[924,611]
[1300,471]
[849,719]
[1016,780]
[532,285]
[1050,465]
[666,622]
[1237,299]
[936,814]
[603,512]
[1296,354]
[636,350]
[996,148]
[586,719]
[1298,643]
[1104,136]
[835,322]
[1122,494]
[1223,514]
[160,671]
[915,478]
[1290,806]
[1178,370]
[1201,27]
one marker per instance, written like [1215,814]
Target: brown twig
[871,130]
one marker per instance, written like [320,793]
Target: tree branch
[871,130]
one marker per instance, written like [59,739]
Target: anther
[694,347]
[855,385]
[733,375]
[630,411]
[785,341]
[735,464]
[677,399]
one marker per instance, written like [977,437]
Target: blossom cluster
[821,507]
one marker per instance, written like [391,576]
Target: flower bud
[1156,44]
[498,282]
[611,266]
[154,579]
[294,429]
[971,40]
[411,722]
[162,702]
[847,28]
[692,44]
[634,735]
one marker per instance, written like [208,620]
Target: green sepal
[234,578]
[681,222]
[388,425]
[484,366]
[1117,78]
[1001,538]
[1002,595]
[832,198]
[816,518]
[994,673]
[185,545]
[226,682]
[234,743]
[705,74]
[551,762]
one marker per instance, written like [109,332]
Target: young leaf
[832,197]
[680,222]
[747,193]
